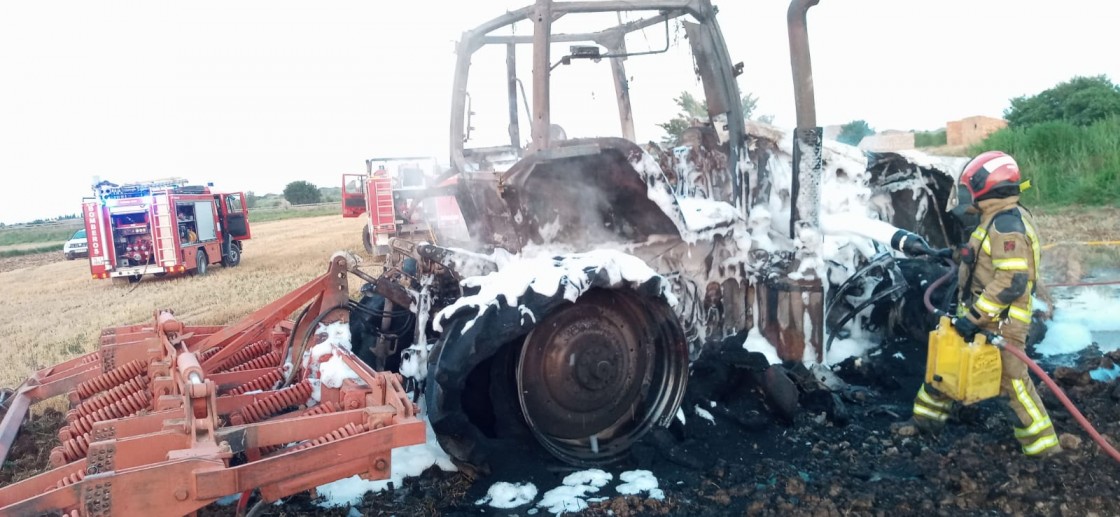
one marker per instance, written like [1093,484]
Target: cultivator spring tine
[111,379]
[248,353]
[106,398]
[273,404]
[147,432]
[265,361]
[207,354]
[127,406]
[345,431]
[264,382]
[70,450]
[320,409]
[75,476]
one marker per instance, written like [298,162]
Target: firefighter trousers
[1036,431]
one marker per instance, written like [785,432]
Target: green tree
[250,199]
[854,131]
[1079,101]
[302,193]
[693,109]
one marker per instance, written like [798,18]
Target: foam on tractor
[168,417]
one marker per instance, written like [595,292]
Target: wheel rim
[594,377]
[234,255]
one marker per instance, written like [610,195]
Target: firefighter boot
[1036,432]
[931,411]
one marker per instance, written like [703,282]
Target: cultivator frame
[166,418]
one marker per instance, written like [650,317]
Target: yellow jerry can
[967,372]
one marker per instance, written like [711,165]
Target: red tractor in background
[390,196]
[162,227]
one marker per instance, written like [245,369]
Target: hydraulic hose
[1096,436]
[996,340]
[938,283]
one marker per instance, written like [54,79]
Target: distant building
[970,130]
[886,141]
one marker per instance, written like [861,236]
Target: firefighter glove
[910,243]
[966,328]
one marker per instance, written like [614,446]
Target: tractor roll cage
[713,63]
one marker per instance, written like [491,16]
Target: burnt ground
[829,459]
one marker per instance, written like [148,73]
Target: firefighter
[998,270]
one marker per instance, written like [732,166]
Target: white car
[76,246]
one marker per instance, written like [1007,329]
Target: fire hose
[998,341]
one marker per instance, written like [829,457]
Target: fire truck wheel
[203,263]
[233,258]
[367,239]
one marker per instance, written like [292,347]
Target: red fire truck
[162,227]
[390,196]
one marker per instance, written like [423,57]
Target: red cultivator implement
[166,418]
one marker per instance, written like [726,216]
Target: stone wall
[968,131]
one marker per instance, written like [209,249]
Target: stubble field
[51,310]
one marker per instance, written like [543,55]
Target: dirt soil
[28,261]
[830,460]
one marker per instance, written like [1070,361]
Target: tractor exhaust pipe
[791,311]
[805,194]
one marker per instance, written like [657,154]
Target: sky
[251,95]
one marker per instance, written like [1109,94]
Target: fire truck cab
[395,196]
[162,227]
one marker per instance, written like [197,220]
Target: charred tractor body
[162,227]
[597,269]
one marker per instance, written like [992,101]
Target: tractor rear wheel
[595,376]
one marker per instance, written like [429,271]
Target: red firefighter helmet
[991,174]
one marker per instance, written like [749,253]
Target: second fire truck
[162,227]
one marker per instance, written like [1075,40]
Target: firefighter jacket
[1002,260]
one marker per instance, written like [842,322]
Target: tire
[630,376]
[367,239]
[233,258]
[69,255]
[203,263]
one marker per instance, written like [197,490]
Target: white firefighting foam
[1083,316]
[849,221]
[549,275]
[408,461]
[571,496]
[638,481]
[333,371]
[574,493]
[505,495]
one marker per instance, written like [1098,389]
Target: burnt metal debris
[728,218]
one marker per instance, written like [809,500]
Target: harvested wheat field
[54,311]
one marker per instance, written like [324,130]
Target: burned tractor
[596,274]
[598,269]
